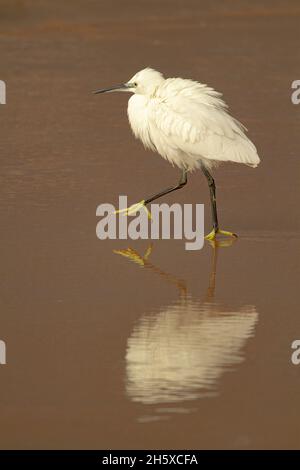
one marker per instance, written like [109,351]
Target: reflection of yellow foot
[222,243]
[212,235]
[132,210]
[134,255]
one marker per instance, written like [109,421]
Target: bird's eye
[135,83]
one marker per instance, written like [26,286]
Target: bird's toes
[227,234]
[211,236]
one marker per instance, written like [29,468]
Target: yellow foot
[212,235]
[132,210]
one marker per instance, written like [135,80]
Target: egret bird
[187,123]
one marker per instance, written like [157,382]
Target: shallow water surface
[126,344]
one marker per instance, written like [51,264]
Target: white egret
[187,123]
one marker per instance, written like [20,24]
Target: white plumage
[186,122]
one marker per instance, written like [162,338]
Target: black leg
[182,182]
[212,190]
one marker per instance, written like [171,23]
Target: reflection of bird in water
[180,352]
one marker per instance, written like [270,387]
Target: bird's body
[187,123]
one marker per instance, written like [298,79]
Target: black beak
[122,87]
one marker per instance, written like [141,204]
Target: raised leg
[182,182]
[142,204]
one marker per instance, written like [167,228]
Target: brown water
[183,349]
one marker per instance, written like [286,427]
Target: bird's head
[144,82]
